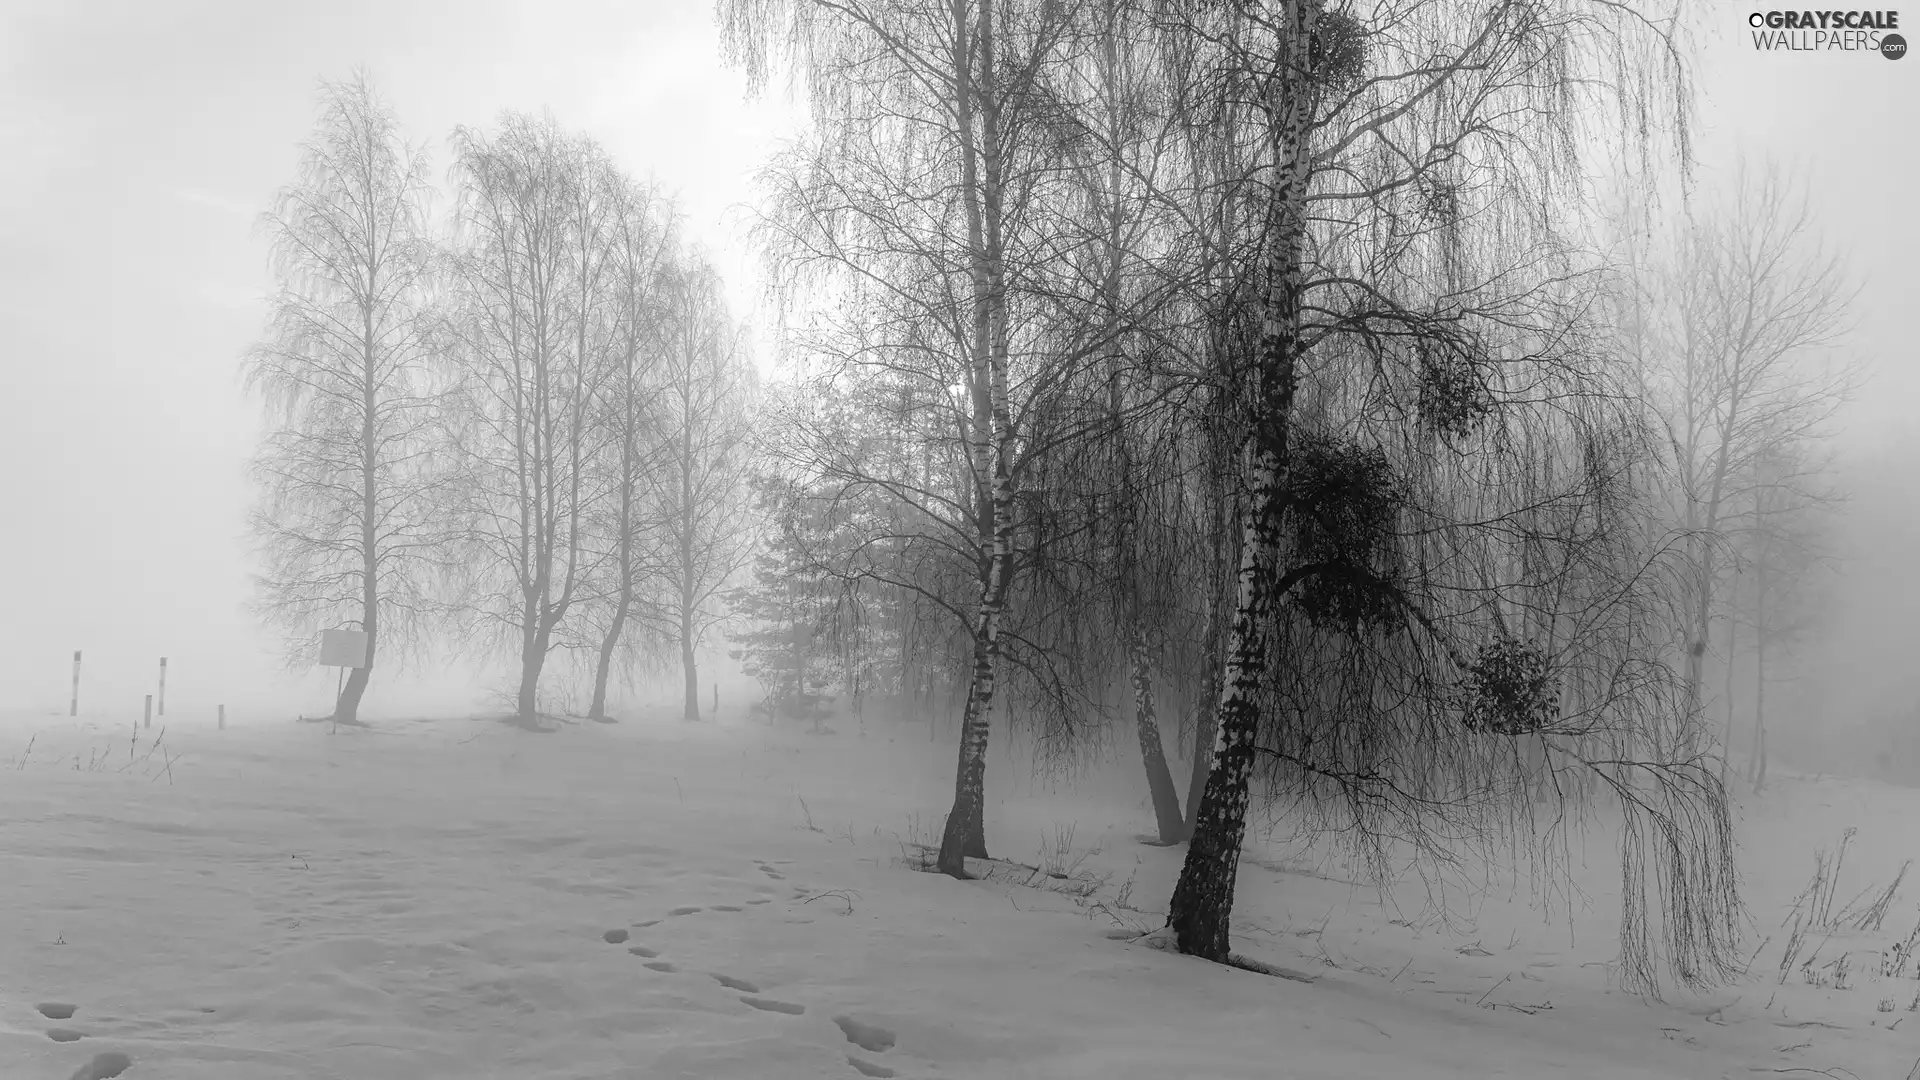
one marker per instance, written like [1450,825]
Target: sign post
[343,649]
[162,701]
[73,707]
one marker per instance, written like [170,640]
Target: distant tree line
[521,425]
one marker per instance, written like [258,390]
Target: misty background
[143,144]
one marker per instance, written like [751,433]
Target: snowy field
[462,899]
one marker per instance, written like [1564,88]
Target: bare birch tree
[913,197]
[1737,328]
[700,485]
[1366,123]
[532,269]
[345,527]
[642,249]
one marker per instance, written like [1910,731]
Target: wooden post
[163,686]
[223,718]
[73,707]
[149,714]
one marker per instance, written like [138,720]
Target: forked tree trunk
[1200,910]
[617,625]
[1166,800]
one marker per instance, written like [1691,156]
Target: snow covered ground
[462,899]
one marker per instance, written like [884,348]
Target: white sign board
[343,648]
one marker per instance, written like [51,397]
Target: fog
[441,900]
[144,142]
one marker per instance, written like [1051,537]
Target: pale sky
[143,138]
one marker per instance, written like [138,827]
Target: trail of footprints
[869,1037]
[103,1066]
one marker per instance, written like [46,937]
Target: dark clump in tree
[1345,502]
[1511,690]
[1453,399]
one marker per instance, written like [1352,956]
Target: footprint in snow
[770,1005]
[614,937]
[684,910]
[103,1066]
[872,1038]
[869,1037]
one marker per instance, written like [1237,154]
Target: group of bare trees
[1245,359]
[523,427]
[1237,372]
[1731,314]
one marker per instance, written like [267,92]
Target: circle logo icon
[1893,46]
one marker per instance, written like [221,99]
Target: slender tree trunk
[1733,654]
[689,663]
[347,708]
[1203,898]
[965,836]
[1704,566]
[615,627]
[533,657]
[1757,768]
[1202,902]
[991,448]
[1166,799]
[1206,729]
[1206,724]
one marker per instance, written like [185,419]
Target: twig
[844,896]
[1495,986]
